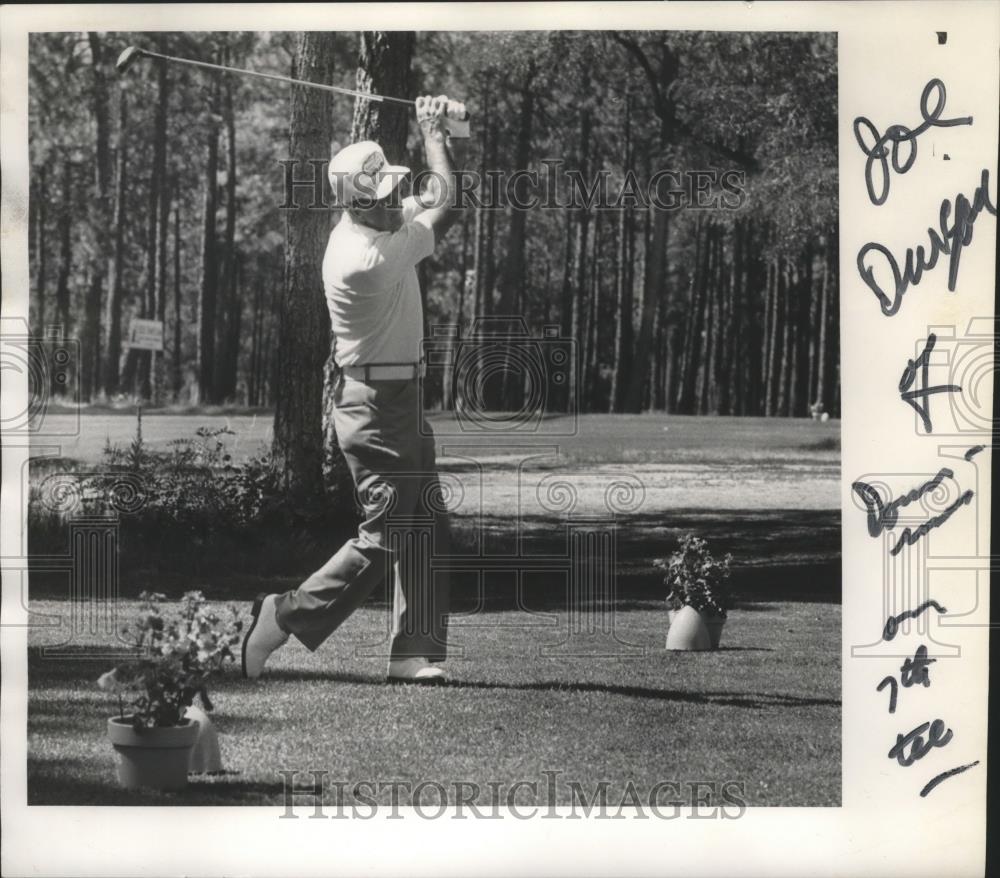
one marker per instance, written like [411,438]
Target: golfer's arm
[444,212]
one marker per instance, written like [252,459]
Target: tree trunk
[729,389]
[512,278]
[623,306]
[652,284]
[101,223]
[804,332]
[670,369]
[785,285]
[90,341]
[489,269]
[40,251]
[384,65]
[253,386]
[304,323]
[755,287]
[702,336]
[178,360]
[234,323]
[229,315]
[580,297]
[448,400]
[657,400]
[593,318]
[833,326]
[775,287]
[207,302]
[566,315]
[622,362]
[687,380]
[718,329]
[661,83]
[795,334]
[485,238]
[821,355]
[65,259]
[162,228]
[157,194]
[269,368]
[115,286]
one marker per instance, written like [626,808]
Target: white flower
[110,682]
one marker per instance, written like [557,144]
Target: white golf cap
[360,172]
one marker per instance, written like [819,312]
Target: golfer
[369,272]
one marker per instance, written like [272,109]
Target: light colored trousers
[389,449]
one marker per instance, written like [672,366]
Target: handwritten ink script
[947,239]
[884,516]
[912,746]
[918,398]
[913,670]
[892,625]
[880,154]
[895,152]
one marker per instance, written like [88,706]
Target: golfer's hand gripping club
[457,120]
[442,117]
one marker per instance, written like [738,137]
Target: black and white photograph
[509,426]
[542,410]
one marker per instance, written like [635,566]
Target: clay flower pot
[687,630]
[157,758]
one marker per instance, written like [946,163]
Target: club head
[126,58]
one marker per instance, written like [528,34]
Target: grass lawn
[764,711]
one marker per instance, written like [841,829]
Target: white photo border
[887,52]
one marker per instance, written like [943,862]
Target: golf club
[456,112]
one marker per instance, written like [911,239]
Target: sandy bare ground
[611,465]
[636,488]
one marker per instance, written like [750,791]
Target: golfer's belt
[384,371]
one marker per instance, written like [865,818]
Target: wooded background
[158,194]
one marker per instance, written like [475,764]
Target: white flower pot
[687,630]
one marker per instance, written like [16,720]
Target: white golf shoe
[414,670]
[262,638]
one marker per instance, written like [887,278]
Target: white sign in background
[145,334]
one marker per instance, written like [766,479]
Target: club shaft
[277,78]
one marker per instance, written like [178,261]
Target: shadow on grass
[779,554]
[47,673]
[74,781]
[732,699]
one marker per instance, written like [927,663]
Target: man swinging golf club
[369,272]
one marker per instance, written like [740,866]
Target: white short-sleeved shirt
[372,290]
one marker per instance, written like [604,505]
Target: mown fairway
[528,692]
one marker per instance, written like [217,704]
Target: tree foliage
[691,310]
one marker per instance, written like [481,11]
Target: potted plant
[697,599]
[175,658]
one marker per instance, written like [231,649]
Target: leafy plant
[177,657]
[696,578]
[194,486]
